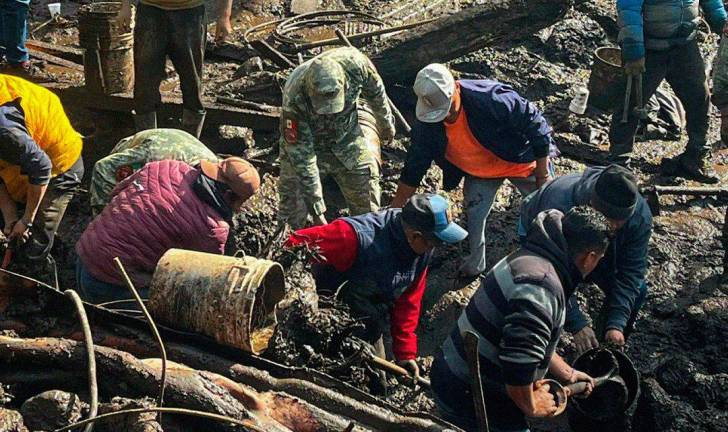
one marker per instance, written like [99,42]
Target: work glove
[635,67]
[411,367]
[585,339]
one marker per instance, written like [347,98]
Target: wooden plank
[267,51]
[69,53]
[399,58]
[229,51]
[55,60]
[217,114]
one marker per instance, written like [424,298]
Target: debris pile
[677,346]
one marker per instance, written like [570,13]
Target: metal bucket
[606,82]
[599,405]
[108,59]
[229,299]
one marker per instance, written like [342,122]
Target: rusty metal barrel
[230,299]
[606,82]
[108,59]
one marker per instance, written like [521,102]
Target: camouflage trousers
[360,187]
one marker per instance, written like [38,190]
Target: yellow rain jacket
[48,126]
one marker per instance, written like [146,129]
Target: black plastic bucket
[600,407]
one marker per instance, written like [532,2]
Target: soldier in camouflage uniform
[132,153]
[329,105]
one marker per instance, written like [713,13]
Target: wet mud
[679,343]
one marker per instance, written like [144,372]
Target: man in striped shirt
[518,313]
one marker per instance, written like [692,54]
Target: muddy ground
[679,343]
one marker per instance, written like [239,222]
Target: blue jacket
[622,270]
[19,148]
[384,247]
[661,24]
[499,118]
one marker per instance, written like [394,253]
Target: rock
[304,6]
[251,65]
[573,40]
[11,421]
[228,132]
[52,409]
[144,422]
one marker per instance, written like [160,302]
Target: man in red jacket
[382,257]
[166,204]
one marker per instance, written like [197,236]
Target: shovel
[471,341]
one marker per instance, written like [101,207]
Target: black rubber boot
[192,122]
[697,167]
[145,121]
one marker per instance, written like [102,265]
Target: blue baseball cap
[428,213]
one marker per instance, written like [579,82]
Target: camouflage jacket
[132,153]
[303,132]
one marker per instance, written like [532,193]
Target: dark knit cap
[615,193]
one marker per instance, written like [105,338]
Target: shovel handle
[577,388]
[390,367]
[627,97]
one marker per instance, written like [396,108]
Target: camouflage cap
[325,85]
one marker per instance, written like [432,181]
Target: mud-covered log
[399,58]
[362,409]
[122,373]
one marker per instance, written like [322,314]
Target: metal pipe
[155,331]
[355,37]
[93,387]
[681,190]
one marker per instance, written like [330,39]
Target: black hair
[585,230]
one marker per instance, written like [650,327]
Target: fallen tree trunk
[399,58]
[31,310]
[120,373]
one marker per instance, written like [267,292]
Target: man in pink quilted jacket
[167,204]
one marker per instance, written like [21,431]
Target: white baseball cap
[434,87]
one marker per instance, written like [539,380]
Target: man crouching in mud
[518,313]
[383,258]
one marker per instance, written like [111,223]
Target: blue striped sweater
[518,312]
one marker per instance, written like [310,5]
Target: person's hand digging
[615,337]
[411,367]
[585,339]
[18,233]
